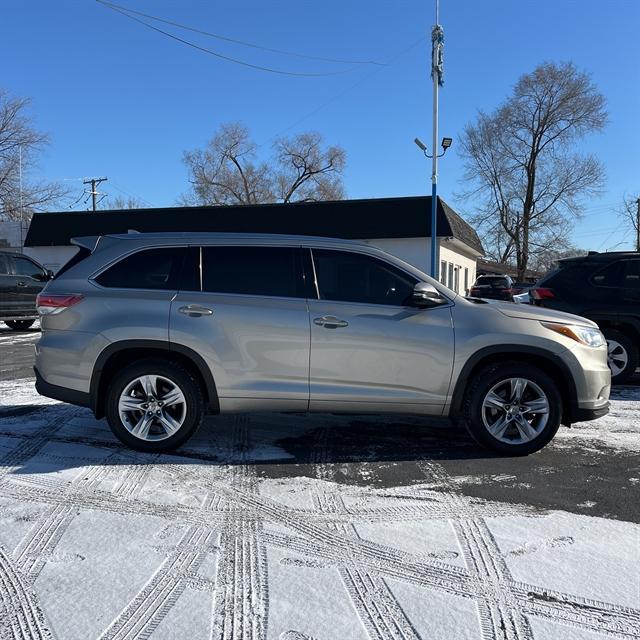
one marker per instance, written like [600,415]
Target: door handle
[195,311]
[330,322]
[22,284]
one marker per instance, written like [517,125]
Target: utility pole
[638,224]
[94,182]
[437,73]
[21,200]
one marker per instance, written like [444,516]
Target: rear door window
[253,271]
[4,265]
[610,276]
[146,269]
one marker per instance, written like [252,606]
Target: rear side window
[632,275]
[354,277]
[147,269]
[79,256]
[256,271]
[4,265]
[610,276]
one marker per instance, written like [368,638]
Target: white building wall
[10,235]
[415,251]
[457,266]
[51,257]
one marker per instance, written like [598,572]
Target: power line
[339,95]
[236,41]
[219,55]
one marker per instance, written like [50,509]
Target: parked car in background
[492,287]
[154,330]
[604,287]
[521,287]
[522,298]
[21,280]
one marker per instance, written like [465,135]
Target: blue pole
[434,231]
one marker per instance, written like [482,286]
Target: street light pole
[437,72]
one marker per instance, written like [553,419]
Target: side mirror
[426,295]
[50,274]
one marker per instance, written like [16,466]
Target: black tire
[176,374]
[471,415]
[630,351]
[19,325]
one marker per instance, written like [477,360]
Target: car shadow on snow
[287,440]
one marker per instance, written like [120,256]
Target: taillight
[48,303]
[540,293]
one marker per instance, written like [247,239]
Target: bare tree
[120,202]
[524,178]
[20,140]
[227,171]
[630,216]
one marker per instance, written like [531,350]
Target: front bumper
[584,415]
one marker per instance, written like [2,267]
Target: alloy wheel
[152,407]
[617,356]
[515,411]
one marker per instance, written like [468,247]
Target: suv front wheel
[154,405]
[512,408]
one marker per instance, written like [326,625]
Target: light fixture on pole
[446,143]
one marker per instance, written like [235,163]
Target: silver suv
[155,330]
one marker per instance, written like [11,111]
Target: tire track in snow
[567,608]
[378,610]
[141,617]
[20,614]
[240,604]
[38,546]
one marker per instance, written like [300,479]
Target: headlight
[590,336]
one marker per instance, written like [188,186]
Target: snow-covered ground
[100,542]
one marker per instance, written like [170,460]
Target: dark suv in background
[21,280]
[493,288]
[604,287]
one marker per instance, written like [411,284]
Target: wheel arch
[120,354]
[547,361]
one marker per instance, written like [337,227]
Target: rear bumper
[71,396]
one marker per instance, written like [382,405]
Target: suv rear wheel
[512,408]
[19,325]
[622,354]
[154,405]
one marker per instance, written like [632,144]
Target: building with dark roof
[401,226]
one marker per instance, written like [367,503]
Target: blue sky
[123,101]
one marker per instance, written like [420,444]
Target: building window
[450,278]
[443,273]
[466,280]
[457,272]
